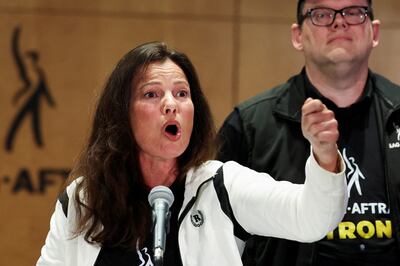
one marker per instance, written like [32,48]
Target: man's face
[339,42]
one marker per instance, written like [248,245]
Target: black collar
[363,102]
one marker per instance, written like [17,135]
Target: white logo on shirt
[354,175]
[146,261]
[397,131]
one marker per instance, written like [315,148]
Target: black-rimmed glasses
[325,17]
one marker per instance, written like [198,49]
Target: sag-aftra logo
[30,109]
[28,98]
[396,145]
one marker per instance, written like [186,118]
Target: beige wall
[239,48]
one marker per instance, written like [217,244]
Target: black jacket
[264,133]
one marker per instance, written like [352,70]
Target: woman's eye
[182,93]
[150,94]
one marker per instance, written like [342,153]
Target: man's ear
[375,32]
[297,37]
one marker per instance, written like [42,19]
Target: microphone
[160,199]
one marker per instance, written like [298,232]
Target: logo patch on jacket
[197,218]
[395,144]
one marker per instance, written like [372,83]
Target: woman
[153,127]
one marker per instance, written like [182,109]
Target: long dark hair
[111,197]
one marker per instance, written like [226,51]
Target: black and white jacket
[220,209]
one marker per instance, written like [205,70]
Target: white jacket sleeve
[53,251]
[304,213]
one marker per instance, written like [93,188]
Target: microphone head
[161,192]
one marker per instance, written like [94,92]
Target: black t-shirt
[364,237]
[115,256]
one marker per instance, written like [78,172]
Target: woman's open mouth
[172,130]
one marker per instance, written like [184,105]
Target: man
[264,133]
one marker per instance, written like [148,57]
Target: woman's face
[162,111]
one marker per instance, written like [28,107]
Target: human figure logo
[144,257]
[397,127]
[28,62]
[353,175]
[395,144]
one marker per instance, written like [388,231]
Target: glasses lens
[322,16]
[354,15]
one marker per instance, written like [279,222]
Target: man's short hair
[300,5]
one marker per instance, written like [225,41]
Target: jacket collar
[292,96]
[387,90]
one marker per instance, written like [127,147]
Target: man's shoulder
[386,87]
[384,82]
[264,98]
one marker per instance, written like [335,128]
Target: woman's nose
[169,108]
